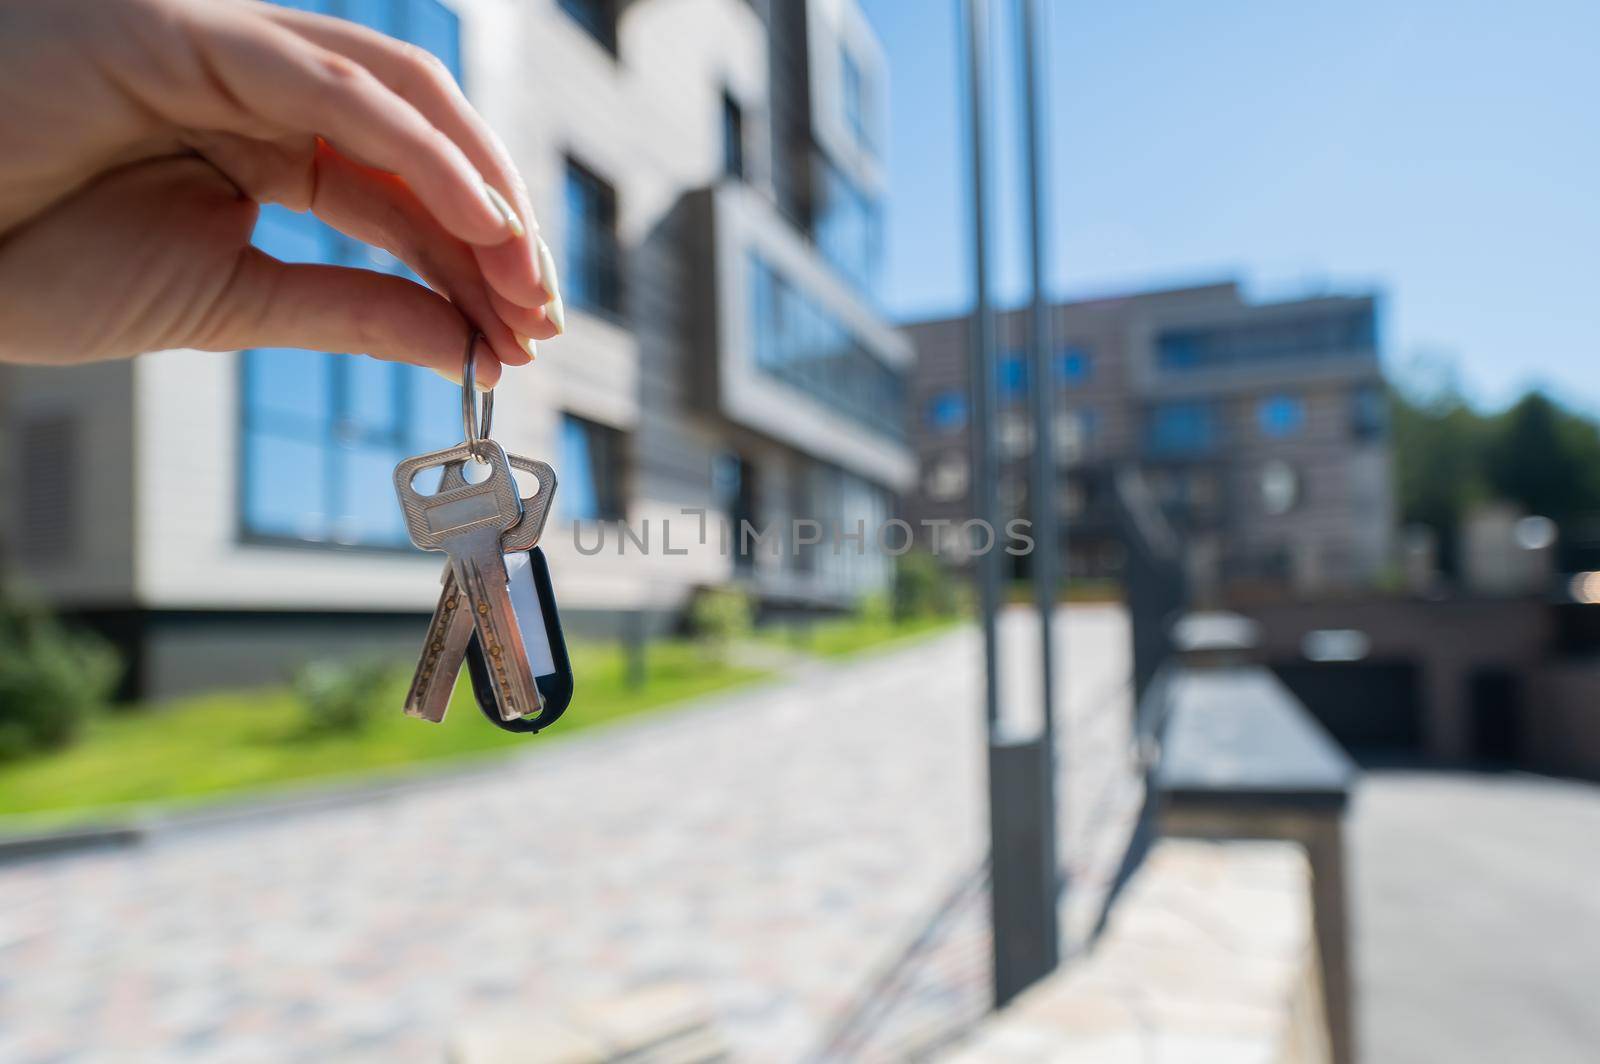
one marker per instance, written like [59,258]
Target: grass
[197,748]
[849,635]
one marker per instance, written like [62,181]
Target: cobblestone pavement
[776,849]
[1477,919]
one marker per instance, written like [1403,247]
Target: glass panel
[285,488]
[385,15]
[947,412]
[579,495]
[1185,427]
[1074,365]
[809,348]
[288,236]
[369,513]
[432,26]
[371,398]
[298,402]
[849,230]
[433,411]
[288,389]
[1281,416]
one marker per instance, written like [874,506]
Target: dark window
[1183,427]
[48,474]
[1369,412]
[1074,365]
[592,277]
[1281,416]
[591,471]
[599,17]
[947,412]
[732,137]
[1312,334]
[321,433]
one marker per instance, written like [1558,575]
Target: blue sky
[1446,154]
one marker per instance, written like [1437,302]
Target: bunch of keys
[496,609]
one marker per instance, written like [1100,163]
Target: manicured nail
[455,378]
[555,310]
[503,208]
[530,345]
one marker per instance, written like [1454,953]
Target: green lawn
[847,635]
[198,747]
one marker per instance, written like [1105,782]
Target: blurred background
[1304,383]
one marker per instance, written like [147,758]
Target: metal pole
[985,460]
[1031,44]
[1023,874]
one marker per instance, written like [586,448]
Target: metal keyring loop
[476,430]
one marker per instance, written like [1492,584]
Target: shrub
[343,696]
[923,587]
[719,616]
[52,679]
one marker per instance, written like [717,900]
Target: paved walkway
[1477,918]
[777,849]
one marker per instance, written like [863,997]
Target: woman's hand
[137,138]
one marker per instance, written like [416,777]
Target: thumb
[268,303]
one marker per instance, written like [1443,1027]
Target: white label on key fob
[530,614]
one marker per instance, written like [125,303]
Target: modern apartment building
[1260,428]
[707,172]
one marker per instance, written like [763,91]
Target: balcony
[789,349]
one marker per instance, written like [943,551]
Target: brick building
[1260,428]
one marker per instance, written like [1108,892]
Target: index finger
[299,86]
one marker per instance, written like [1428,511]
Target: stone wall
[1209,954]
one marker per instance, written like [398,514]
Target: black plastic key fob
[547,650]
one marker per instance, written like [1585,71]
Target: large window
[1312,334]
[599,17]
[591,471]
[321,433]
[1185,427]
[799,343]
[849,229]
[592,277]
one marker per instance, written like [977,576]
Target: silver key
[450,630]
[466,523]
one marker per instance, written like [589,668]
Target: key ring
[476,431]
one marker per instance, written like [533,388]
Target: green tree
[1546,458]
[1439,448]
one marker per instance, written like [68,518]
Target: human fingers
[422,80]
[268,303]
[269,78]
[375,208]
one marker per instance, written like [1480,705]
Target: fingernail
[455,378]
[530,345]
[555,310]
[503,208]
